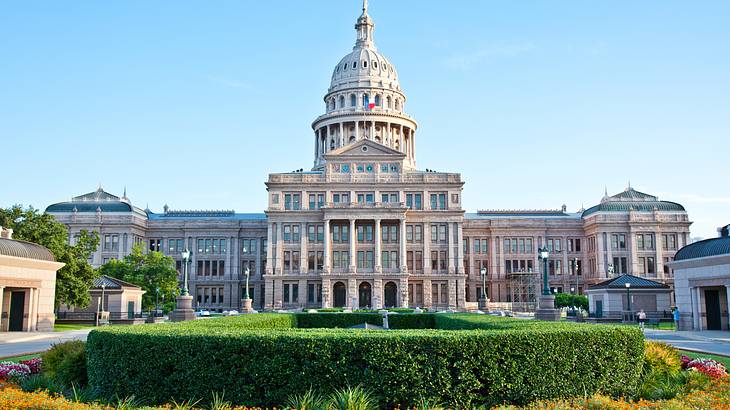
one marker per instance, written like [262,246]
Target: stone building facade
[366,227]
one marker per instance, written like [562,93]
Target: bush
[517,361]
[336,320]
[65,363]
[569,300]
[411,321]
[37,382]
[660,358]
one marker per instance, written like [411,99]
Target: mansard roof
[619,282]
[631,199]
[98,200]
[112,283]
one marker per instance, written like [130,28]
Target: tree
[150,271]
[568,300]
[76,277]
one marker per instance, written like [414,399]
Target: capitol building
[367,227]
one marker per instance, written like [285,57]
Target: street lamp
[103,287]
[248,273]
[157,300]
[575,271]
[628,296]
[186,258]
[483,297]
[543,254]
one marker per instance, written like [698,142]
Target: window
[669,241]
[341,197]
[342,101]
[620,265]
[316,200]
[314,293]
[414,201]
[364,233]
[292,201]
[155,245]
[365,197]
[645,241]
[647,266]
[389,259]
[618,242]
[389,233]
[389,197]
[573,245]
[365,100]
[340,259]
[353,100]
[414,261]
[377,96]
[111,242]
[438,201]
[364,259]
[248,246]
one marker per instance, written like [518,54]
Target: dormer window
[375,64]
[354,64]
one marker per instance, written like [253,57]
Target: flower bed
[709,367]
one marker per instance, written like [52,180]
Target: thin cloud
[229,82]
[466,61]
[702,199]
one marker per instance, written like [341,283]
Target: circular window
[364,148]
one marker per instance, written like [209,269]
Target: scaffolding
[524,290]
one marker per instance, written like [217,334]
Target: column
[659,263]
[326,138]
[2,294]
[402,139]
[278,285]
[599,255]
[269,251]
[303,262]
[378,239]
[698,306]
[342,135]
[426,250]
[357,130]
[353,240]
[692,304]
[460,249]
[327,268]
[279,248]
[413,145]
[29,324]
[303,293]
[403,263]
[377,293]
[452,294]
[727,295]
[387,134]
[316,145]
[403,291]
[427,300]
[326,293]
[372,130]
[451,254]
[634,255]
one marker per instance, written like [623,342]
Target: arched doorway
[365,295]
[391,295]
[340,294]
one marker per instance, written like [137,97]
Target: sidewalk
[22,343]
[710,341]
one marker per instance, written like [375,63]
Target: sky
[536,103]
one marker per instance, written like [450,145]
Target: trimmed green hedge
[336,320]
[516,361]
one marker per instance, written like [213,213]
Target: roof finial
[605,190]
[629,184]
[364,6]
[125,192]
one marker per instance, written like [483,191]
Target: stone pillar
[698,306]
[377,293]
[326,293]
[279,248]
[452,294]
[460,248]
[357,130]
[353,248]
[352,295]
[278,285]
[427,300]
[326,138]
[2,294]
[30,311]
[327,267]
[378,239]
[565,270]
[269,250]
[634,254]
[342,135]
[316,146]
[401,148]
[659,263]
[372,130]
[403,291]
[426,249]
[451,255]
[303,293]
[387,134]
[402,253]
[303,261]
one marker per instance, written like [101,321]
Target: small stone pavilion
[609,299]
[27,285]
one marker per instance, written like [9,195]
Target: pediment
[365,148]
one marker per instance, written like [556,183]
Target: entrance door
[712,307]
[17,309]
[599,308]
[340,294]
[130,309]
[390,294]
[365,293]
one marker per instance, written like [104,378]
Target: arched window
[342,101]
[397,105]
[365,100]
[388,102]
[332,144]
[377,100]
[344,66]
[354,65]
[375,64]
[364,64]
[332,104]
[353,100]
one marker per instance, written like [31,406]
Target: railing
[364,205]
[414,177]
[91,316]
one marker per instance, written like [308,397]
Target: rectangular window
[310,261]
[414,201]
[320,261]
[442,233]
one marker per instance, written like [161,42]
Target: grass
[62,327]
[24,357]
[722,359]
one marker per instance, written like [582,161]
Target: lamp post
[157,300]
[184,309]
[628,296]
[483,301]
[575,272]
[103,287]
[546,306]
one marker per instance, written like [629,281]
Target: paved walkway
[22,343]
[717,342]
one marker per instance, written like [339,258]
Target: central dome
[364,66]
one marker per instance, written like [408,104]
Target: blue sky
[536,103]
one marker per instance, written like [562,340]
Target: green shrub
[65,363]
[662,359]
[569,300]
[411,321]
[39,381]
[512,360]
[352,398]
[245,321]
[336,320]
[310,400]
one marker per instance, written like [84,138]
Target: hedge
[526,361]
[336,320]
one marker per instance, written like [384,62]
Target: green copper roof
[632,199]
[701,249]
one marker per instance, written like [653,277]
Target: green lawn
[19,358]
[722,359]
[64,327]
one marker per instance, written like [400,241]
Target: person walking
[675,316]
[642,318]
